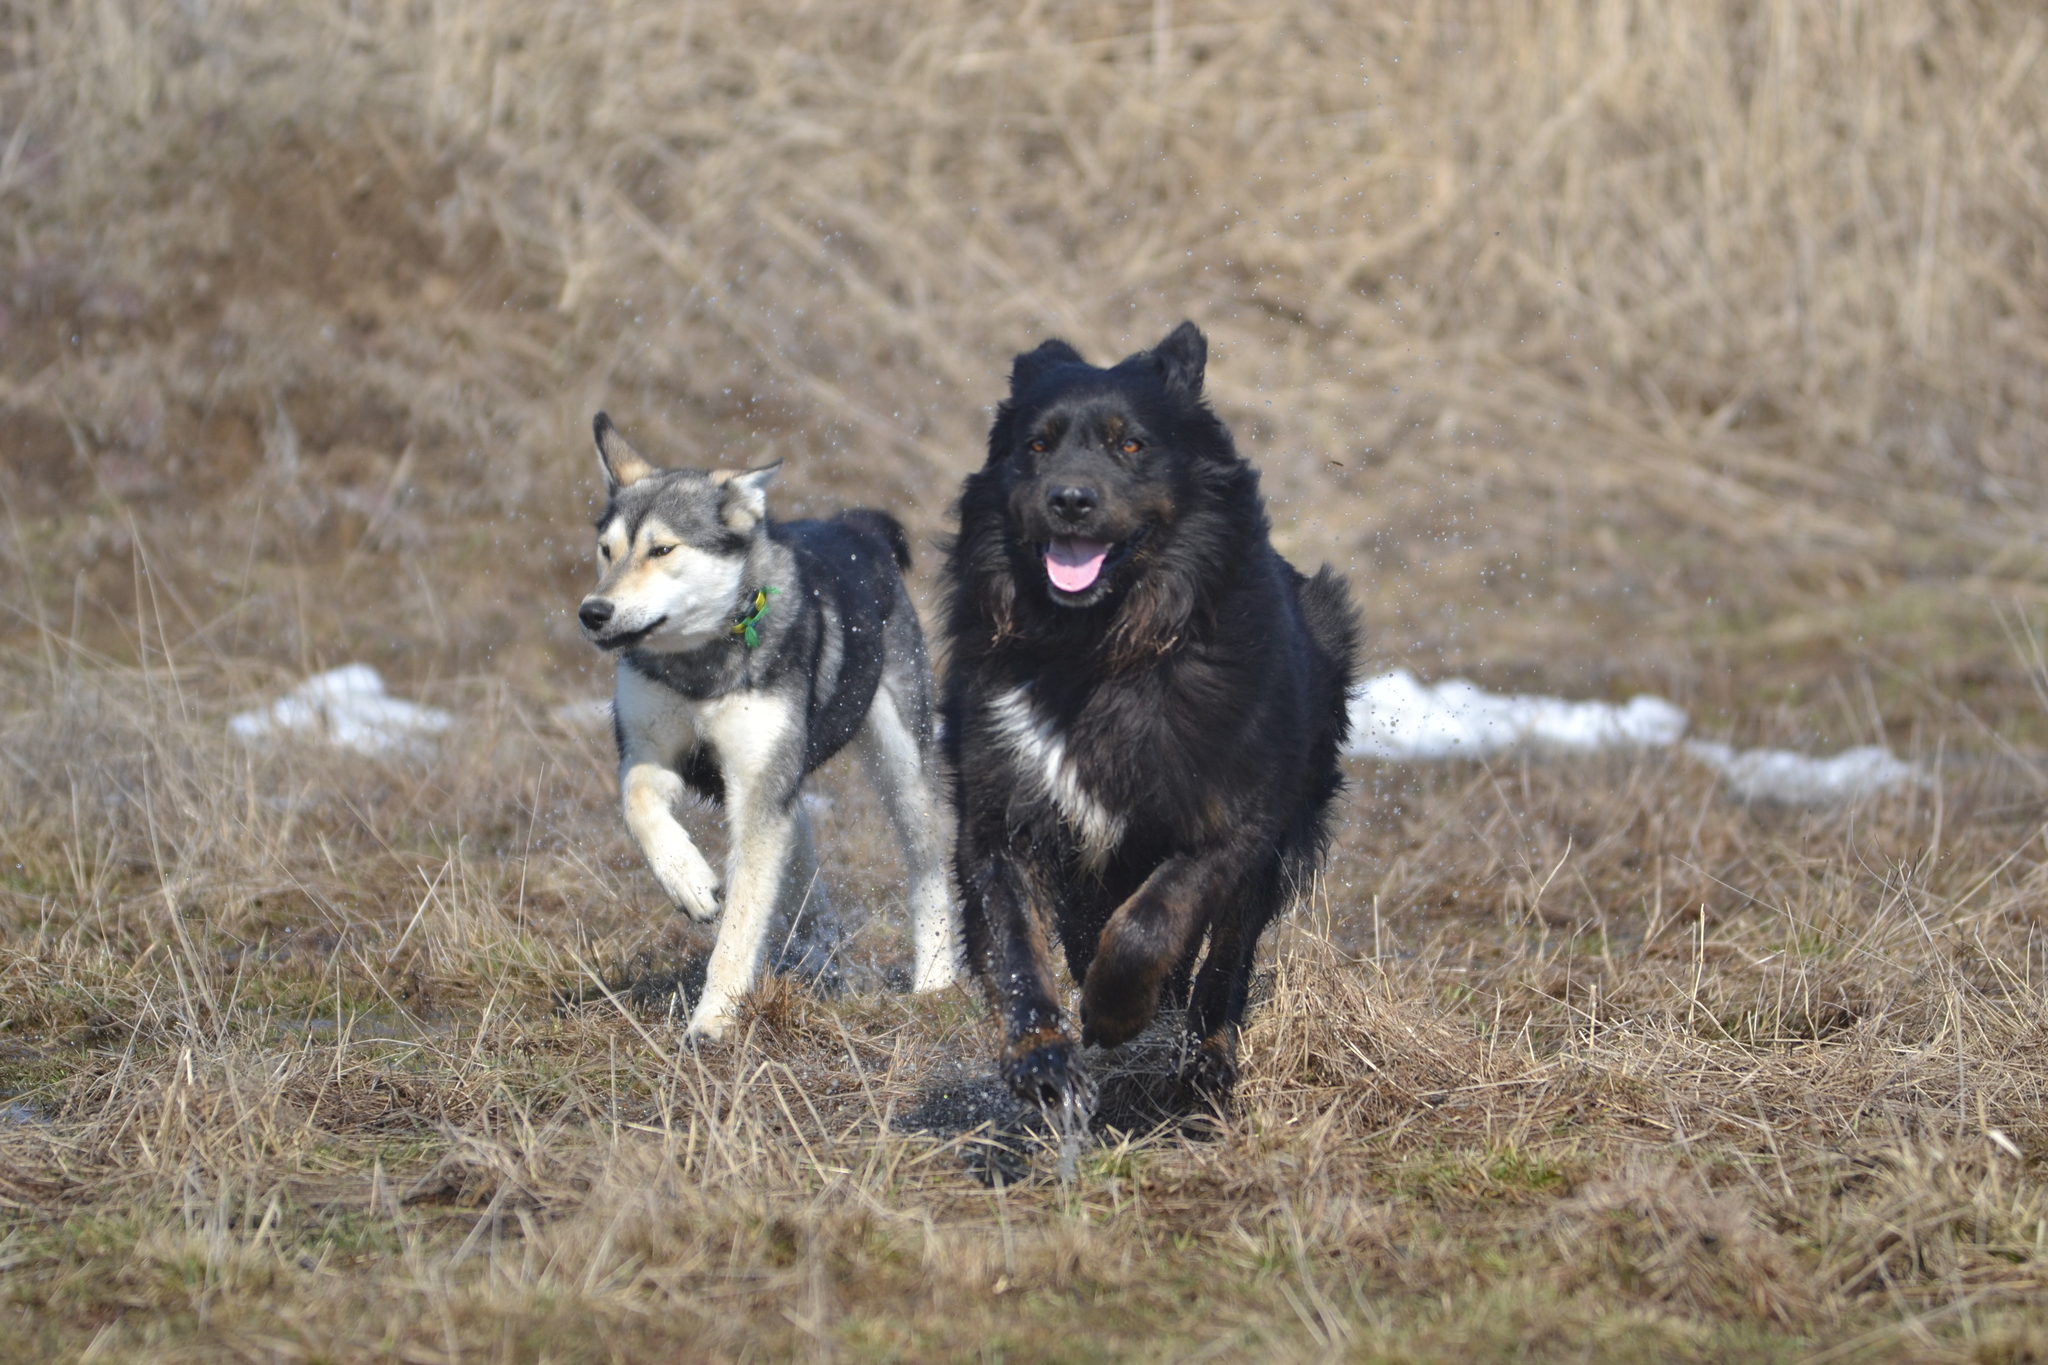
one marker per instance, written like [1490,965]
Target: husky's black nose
[1072,502]
[594,612]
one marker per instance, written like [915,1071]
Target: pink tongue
[1072,563]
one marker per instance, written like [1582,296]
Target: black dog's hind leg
[1007,945]
[1223,987]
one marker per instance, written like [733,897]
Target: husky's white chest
[1042,756]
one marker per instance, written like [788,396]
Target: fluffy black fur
[1147,761]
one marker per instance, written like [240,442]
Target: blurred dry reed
[1601,329]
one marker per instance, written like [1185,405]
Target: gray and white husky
[750,651]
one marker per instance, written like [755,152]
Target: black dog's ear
[1027,368]
[1181,358]
[622,464]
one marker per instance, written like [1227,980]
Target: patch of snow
[348,708]
[1395,717]
[1795,779]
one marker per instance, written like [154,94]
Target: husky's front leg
[767,857]
[651,792]
[759,745]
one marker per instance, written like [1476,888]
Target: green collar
[745,626]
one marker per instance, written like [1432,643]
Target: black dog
[1143,712]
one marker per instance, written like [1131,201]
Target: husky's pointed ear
[746,495]
[622,464]
[1027,368]
[1181,356]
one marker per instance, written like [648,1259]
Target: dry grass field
[1608,346]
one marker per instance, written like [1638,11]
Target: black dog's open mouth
[1075,565]
[628,639]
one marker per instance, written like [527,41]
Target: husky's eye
[1131,445]
[657,551]
[606,552]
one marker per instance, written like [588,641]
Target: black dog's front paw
[1119,998]
[1112,1022]
[1209,1073]
[1044,1069]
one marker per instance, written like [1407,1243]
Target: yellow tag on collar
[745,626]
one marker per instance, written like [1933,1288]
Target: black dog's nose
[594,612]
[1072,501]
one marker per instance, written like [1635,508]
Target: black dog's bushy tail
[1332,620]
[882,527]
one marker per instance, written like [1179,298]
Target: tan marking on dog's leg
[897,768]
[650,792]
[655,725]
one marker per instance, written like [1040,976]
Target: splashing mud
[1067,1123]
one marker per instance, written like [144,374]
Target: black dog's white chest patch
[1041,752]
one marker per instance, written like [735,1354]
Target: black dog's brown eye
[1038,446]
[658,551]
[1130,446]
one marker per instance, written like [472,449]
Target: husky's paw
[699,898]
[1044,1069]
[712,1022]
[691,885]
